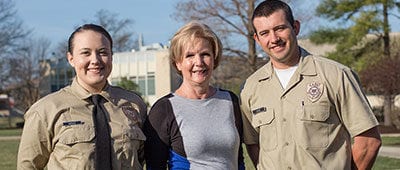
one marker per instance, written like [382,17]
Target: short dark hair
[92,27]
[267,7]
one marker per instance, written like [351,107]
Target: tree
[231,72]
[132,86]
[120,30]
[12,33]
[364,25]
[11,28]
[128,85]
[383,77]
[363,37]
[26,73]
[230,18]
[61,49]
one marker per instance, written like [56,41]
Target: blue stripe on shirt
[177,162]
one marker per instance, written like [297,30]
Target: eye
[85,53]
[263,33]
[189,55]
[280,28]
[205,54]
[103,52]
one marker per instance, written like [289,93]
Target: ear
[70,59]
[178,66]
[296,26]
[255,36]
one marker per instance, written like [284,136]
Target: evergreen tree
[362,35]
[128,85]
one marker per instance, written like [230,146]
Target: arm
[253,151]
[157,129]
[250,134]
[155,150]
[365,148]
[33,152]
[239,127]
[359,120]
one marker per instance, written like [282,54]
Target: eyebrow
[273,28]
[83,49]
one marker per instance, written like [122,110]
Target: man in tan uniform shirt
[306,121]
[59,131]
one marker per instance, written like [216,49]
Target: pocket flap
[77,134]
[263,118]
[315,112]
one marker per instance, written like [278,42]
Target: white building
[149,68]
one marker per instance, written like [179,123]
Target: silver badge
[314,91]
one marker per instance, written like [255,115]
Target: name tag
[73,123]
[258,110]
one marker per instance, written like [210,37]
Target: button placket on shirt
[285,127]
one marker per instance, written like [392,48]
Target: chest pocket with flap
[78,134]
[312,126]
[264,121]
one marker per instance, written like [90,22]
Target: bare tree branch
[120,29]
[12,34]
[26,73]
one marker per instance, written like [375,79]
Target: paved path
[5,138]
[390,151]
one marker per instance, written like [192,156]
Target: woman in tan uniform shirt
[59,130]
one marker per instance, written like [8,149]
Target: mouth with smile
[200,71]
[278,46]
[95,70]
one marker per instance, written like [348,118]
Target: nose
[95,58]
[198,59]
[274,38]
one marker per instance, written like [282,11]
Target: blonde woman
[198,126]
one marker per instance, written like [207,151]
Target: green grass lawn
[391,141]
[9,151]
[8,158]
[382,163]
[12,122]
[10,132]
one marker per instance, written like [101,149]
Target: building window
[146,87]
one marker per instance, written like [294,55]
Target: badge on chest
[314,91]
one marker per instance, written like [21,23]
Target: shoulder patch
[130,112]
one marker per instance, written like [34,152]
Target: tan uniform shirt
[59,130]
[308,125]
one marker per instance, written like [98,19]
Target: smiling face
[277,37]
[197,63]
[91,58]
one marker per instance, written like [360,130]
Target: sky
[57,19]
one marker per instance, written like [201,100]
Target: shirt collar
[306,64]
[83,94]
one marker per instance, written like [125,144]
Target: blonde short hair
[190,32]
